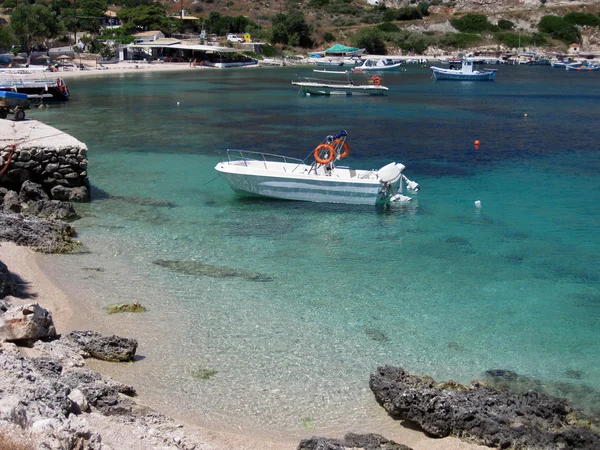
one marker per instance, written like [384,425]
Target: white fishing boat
[322,181]
[346,86]
[465,73]
[377,65]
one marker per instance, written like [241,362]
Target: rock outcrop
[112,348]
[488,416]
[30,150]
[26,323]
[44,235]
[351,442]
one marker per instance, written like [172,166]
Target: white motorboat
[377,65]
[322,181]
[465,73]
[318,86]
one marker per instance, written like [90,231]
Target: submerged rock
[197,268]
[488,416]
[351,442]
[125,307]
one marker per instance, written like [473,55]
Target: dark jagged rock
[198,268]
[112,348]
[491,417]
[351,442]
[32,192]
[40,234]
[6,281]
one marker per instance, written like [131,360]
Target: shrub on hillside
[580,18]
[388,27]
[458,40]
[343,7]
[371,39]
[559,29]
[406,13]
[415,43]
[473,23]
[329,37]
[504,24]
[514,40]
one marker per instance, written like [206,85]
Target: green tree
[89,13]
[7,37]
[580,18]
[291,29]
[559,29]
[34,23]
[371,39]
[144,17]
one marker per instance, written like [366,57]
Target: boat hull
[457,75]
[343,186]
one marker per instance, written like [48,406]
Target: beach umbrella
[64,57]
[18,58]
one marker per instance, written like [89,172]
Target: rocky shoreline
[48,399]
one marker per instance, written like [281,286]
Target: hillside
[342,19]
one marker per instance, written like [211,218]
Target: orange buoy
[330,154]
[344,144]
[477,143]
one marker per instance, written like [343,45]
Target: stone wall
[31,150]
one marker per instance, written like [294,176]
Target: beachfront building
[173,50]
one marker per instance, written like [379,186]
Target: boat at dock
[47,90]
[465,73]
[345,86]
[321,180]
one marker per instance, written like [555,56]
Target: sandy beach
[29,266]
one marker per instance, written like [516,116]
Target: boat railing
[265,158]
[343,82]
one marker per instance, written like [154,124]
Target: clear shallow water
[435,286]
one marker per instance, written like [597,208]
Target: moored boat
[377,65]
[55,89]
[318,86]
[322,181]
[465,73]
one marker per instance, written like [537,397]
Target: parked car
[235,38]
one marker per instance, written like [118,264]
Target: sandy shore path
[29,267]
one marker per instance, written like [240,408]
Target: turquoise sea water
[436,286]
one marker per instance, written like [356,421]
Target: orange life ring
[317,154]
[376,80]
[346,151]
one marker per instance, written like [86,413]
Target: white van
[234,38]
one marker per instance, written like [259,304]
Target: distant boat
[583,67]
[377,65]
[347,86]
[465,73]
